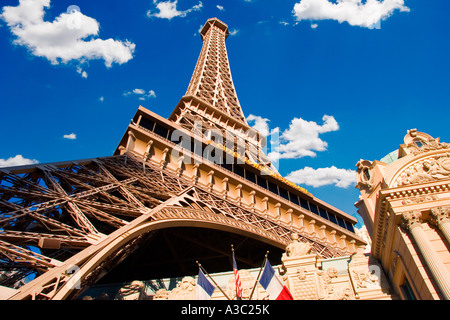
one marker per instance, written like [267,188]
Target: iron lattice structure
[68,210]
[69,224]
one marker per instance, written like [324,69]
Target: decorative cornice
[416,193]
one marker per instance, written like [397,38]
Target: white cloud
[168,10]
[199,30]
[70,36]
[83,73]
[101,99]
[221,8]
[260,124]
[342,178]
[355,12]
[314,25]
[302,138]
[18,160]
[234,32]
[71,136]
[141,93]
[151,94]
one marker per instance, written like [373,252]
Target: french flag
[205,288]
[273,284]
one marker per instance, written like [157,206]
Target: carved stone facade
[307,275]
[405,204]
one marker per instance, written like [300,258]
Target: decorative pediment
[419,142]
[424,170]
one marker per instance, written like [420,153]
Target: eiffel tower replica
[175,191]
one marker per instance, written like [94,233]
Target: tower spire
[211,98]
[211,80]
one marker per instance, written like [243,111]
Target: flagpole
[205,272]
[259,274]
[235,280]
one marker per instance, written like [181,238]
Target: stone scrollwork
[419,199]
[185,290]
[301,273]
[332,272]
[133,291]
[365,279]
[426,170]
[161,294]
[419,142]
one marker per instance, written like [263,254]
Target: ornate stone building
[405,204]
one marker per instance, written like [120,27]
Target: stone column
[440,217]
[413,222]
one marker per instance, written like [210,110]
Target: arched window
[366,173]
[419,143]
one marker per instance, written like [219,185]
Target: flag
[238,280]
[205,288]
[273,284]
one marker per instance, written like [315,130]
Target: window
[304,204]
[332,218]
[239,170]
[407,290]
[419,143]
[366,174]
[294,198]
[273,187]
[161,131]
[227,166]
[341,222]
[250,176]
[284,193]
[349,226]
[323,213]
[262,182]
[147,124]
[314,208]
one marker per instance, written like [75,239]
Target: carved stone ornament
[161,294]
[411,219]
[327,290]
[297,248]
[365,178]
[427,146]
[133,291]
[332,272]
[419,142]
[440,215]
[301,273]
[419,199]
[426,170]
[185,290]
[365,279]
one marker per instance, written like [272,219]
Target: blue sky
[342,80]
